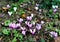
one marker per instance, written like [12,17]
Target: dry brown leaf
[23,15]
[4,8]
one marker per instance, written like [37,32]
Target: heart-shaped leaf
[14,31]
[20,37]
[42,40]
[14,39]
[5,31]
[6,22]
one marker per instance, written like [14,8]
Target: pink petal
[30,25]
[38,26]
[8,6]
[20,20]
[18,24]
[14,25]
[27,22]
[10,24]
[23,28]
[29,18]
[23,32]
[33,31]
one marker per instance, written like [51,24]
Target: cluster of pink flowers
[54,33]
[37,26]
[13,25]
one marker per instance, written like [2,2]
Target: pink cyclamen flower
[10,24]
[13,25]
[54,10]
[38,26]
[27,22]
[23,28]
[20,20]
[23,32]
[29,25]
[8,6]
[18,25]
[29,18]
[32,31]
[53,33]
[33,23]
[37,4]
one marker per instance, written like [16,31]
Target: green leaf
[56,30]
[50,10]
[14,5]
[31,39]
[59,32]
[6,31]
[42,40]
[26,40]
[15,31]
[26,0]
[6,22]
[55,16]
[21,11]
[20,1]
[20,37]
[0,33]
[16,34]
[14,39]
[10,9]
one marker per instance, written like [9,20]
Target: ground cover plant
[29,21]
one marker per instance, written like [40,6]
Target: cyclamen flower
[36,8]
[15,8]
[53,33]
[38,26]
[32,31]
[54,6]
[10,24]
[40,10]
[23,28]
[18,24]
[23,32]
[29,25]
[32,15]
[10,13]
[8,6]
[54,10]
[37,4]
[33,23]
[42,22]
[13,25]
[29,18]
[27,22]
[21,5]
[20,20]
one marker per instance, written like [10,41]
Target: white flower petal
[9,13]
[15,8]
[36,8]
